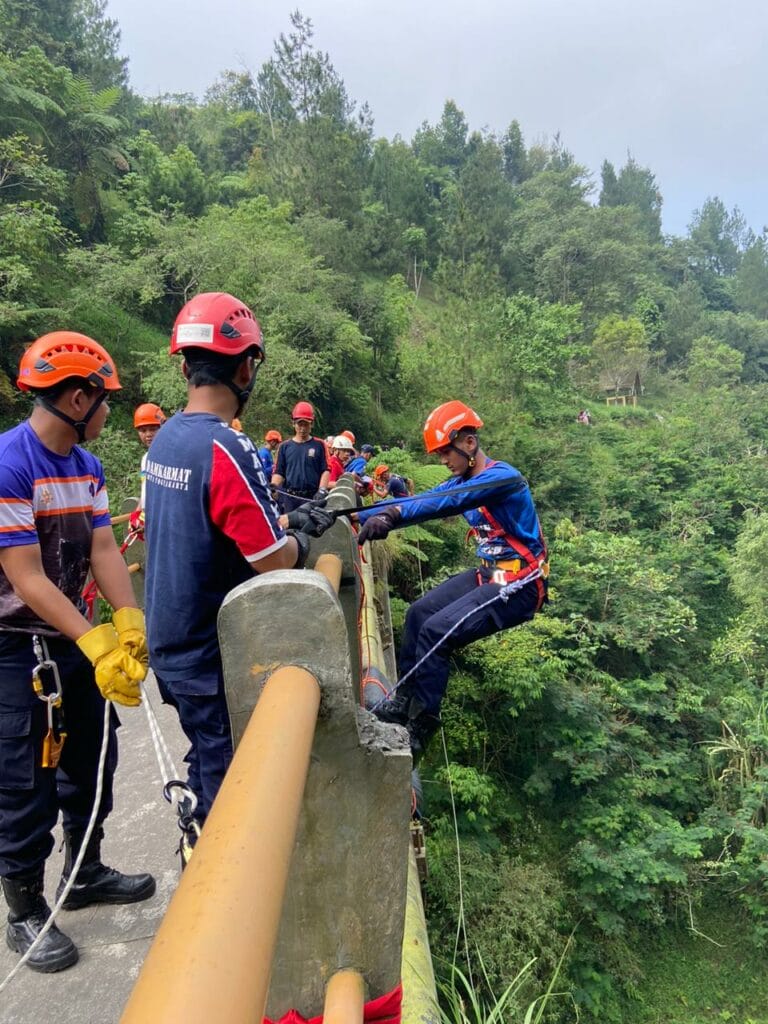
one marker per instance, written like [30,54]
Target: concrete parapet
[346,894]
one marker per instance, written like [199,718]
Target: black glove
[303,541]
[320,494]
[378,526]
[311,518]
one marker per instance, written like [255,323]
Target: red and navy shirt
[52,500]
[210,519]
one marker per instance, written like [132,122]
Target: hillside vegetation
[608,762]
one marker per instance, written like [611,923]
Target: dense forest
[608,762]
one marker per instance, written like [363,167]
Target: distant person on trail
[495,500]
[211,524]
[341,453]
[585,418]
[54,526]
[272,440]
[302,471]
[387,484]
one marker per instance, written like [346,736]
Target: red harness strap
[531,562]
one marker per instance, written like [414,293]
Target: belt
[508,564]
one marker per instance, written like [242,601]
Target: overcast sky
[682,84]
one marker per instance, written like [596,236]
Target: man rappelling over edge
[496,501]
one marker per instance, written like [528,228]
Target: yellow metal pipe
[344,998]
[212,955]
[330,566]
[419,990]
[370,636]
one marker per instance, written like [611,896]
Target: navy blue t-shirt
[209,517]
[301,464]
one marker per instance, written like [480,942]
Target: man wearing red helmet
[495,500]
[302,470]
[54,526]
[211,524]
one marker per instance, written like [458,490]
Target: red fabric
[239,512]
[337,468]
[387,1009]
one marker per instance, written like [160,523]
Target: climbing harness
[56,734]
[503,595]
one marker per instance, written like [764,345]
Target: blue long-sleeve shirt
[502,515]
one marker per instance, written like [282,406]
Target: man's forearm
[113,579]
[48,603]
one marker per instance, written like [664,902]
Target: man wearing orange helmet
[54,526]
[211,524]
[302,471]
[147,420]
[508,588]
[272,441]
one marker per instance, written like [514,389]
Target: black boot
[95,882]
[421,727]
[395,708]
[27,913]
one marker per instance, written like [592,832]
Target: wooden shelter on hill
[621,390]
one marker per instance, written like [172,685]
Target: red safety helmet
[148,415]
[273,435]
[62,354]
[219,322]
[303,411]
[444,423]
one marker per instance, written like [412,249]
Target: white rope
[83,846]
[502,595]
[168,769]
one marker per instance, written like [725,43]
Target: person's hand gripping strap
[378,526]
[132,633]
[117,673]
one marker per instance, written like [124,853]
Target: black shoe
[28,913]
[97,883]
[394,709]
[422,726]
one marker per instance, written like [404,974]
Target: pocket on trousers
[17,753]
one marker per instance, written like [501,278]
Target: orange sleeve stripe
[66,479]
[15,501]
[30,528]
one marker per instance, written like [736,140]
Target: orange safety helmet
[381,470]
[148,415]
[348,434]
[444,423]
[219,322]
[273,435]
[62,354]
[303,411]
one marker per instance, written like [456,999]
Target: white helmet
[343,442]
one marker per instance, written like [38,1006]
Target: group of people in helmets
[205,486]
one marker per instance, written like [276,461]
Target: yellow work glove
[117,674]
[132,633]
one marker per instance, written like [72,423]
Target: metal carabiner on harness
[186,805]
[56,734]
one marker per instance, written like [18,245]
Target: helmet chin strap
[79,426]
[470,458]
[243,394]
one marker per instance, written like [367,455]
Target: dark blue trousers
[429,619]
[31,796]
[205,721]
